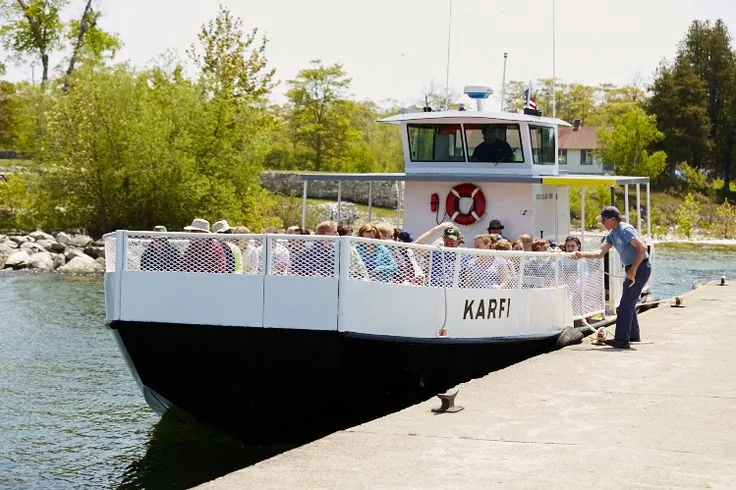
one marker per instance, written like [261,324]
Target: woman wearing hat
[633,251]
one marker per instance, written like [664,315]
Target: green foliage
[687,215]
[595,199]
[692,180]
[15,201]
[127,149]
[625,144]
[229,61]
[725,219]
[287,210]
[319,119]
[8,114]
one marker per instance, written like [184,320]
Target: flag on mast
[529,102]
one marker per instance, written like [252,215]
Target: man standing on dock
[633,251]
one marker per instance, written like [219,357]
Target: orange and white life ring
[452,204]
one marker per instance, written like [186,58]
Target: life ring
[452,204]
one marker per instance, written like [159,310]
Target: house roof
[583,138]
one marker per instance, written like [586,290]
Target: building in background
[577,145]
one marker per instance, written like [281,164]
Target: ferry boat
[306,330]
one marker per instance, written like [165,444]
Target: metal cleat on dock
[722,281]
[678,303]
[448,402]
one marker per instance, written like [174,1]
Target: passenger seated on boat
[316,258]
[160,255]
[377,259]
[492,148]
[526,242]
[280,256]
[485,271]
[517,245]
[538,272]
[345,230]
[233,254]
[202,254]
[495,227]
[407,267]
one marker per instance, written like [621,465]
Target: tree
[318,121]
[625,144]
[8,114]
[687,215]
[680,103]
[726,218]
[229,61]
[32,29]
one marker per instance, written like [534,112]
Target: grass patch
[695,246]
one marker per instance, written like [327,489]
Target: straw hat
[159,228]
[198,224]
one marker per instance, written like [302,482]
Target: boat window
[494,143]
[543,144]
[436,143]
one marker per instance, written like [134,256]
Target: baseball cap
[610,212]
[453,233]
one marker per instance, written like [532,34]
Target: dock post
[448,402]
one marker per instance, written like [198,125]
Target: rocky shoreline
[73,252]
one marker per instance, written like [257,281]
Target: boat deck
[659,415]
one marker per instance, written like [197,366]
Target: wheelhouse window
[494,143]
[562,156]
[436,143]
[543,145]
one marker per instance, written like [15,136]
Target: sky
[395,49]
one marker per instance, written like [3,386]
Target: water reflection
[181,455]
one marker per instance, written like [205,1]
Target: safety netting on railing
[381,261]
[110,257]
[193,252]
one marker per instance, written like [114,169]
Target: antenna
[554,78]
[447,75]
[503,82]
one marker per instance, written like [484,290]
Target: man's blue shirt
[620,237]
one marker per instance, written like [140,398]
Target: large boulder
[81,241]
[70,253]
[56,247]
[8,243]
[41,260]
[64,239]
[82,264]
[5,252]
[94,252]
[40,235]
[20,239]
[17,260]
[58,259]
[32,247]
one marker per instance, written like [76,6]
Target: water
[71,415]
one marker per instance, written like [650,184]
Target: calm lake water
[71,415]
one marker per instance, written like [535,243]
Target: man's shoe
[638,339]
[618,344]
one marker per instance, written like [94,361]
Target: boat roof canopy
[471,116]
[559,180]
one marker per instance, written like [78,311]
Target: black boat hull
[266,386]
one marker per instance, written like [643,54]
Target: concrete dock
[661,415]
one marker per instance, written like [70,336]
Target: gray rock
[17,260]
[81,241]
[63,238]
[82,264]
[40,235]
[56,247]
[46,243]
[41,260]
[9,243]
[99,243]
[70,253]
[58,259]
[32,247]
[5,252]
[94,252]
[19,239]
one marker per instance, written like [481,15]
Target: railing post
[344,246]
[121,262]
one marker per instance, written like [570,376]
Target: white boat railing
[284,272]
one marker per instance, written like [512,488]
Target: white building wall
[575,167]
